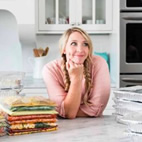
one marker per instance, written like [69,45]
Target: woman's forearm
[73,99]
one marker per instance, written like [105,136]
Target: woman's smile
[79,56]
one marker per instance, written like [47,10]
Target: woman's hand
[75,70]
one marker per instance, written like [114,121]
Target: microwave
[133,5]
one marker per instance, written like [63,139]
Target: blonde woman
[78,82]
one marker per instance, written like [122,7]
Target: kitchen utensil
[46,51]
[36,54]
[40,51]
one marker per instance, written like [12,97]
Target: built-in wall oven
[130,42]
[131,5]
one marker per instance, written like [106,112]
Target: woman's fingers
[74,70]
[72,64]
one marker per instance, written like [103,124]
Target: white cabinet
[55,16]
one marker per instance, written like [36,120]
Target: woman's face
[76,48]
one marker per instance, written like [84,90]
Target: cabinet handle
[132,80]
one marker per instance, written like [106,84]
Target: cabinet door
[96,15]
[53,15]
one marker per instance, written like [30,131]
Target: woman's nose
[80,48]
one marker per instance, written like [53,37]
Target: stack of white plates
[127,100]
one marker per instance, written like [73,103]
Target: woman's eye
[73,43]
[85,44]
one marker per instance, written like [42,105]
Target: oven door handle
[132,80]
[133,18]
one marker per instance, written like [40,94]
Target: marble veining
[100,129]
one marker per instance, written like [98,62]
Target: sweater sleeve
[99,94]
[52,79]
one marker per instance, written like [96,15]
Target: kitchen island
[103,129]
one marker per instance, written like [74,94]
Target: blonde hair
[62,44]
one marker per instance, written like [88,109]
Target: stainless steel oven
[131,5]
[130,42]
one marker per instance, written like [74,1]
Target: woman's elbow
[71,116]
[66,115]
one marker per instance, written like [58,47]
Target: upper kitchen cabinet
[55,16]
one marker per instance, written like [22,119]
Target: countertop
[100,129]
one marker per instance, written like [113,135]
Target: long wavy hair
[62,45]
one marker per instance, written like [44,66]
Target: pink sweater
[98,96]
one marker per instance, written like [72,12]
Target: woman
[78,82]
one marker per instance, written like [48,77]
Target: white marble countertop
[100,129]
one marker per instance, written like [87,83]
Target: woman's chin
[78,61]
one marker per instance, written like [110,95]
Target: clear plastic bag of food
[13,101]
[21,105]
[2,123]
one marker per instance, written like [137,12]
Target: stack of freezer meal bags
[10,85]
[27,115]
[2,124]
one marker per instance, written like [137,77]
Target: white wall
[115,44]
[24,10]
